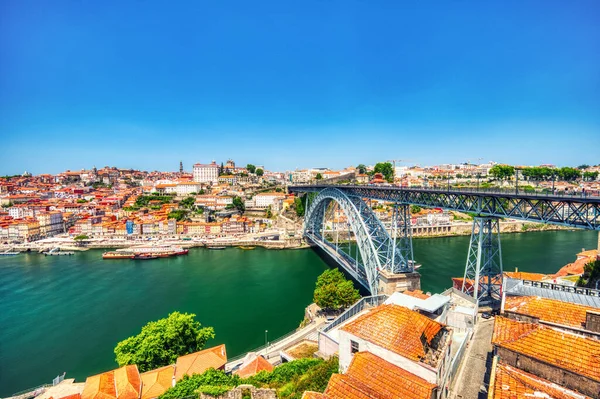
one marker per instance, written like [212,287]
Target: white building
[183,189]
[403,337]
[264,200]
[206,173]
[16,212]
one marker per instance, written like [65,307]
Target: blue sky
[145,84]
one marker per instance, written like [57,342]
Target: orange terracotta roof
[560,349]
[371,377]
[258,364]
[397,329]
[156,382]
[528,276]
[551,310]
[199,362]
[512,383]
[416,293]
[121,383]
[73,396]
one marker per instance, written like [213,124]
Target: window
[353,347]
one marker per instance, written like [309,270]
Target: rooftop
[156,382]
[396,329]
[371,377]
[550,310]
[198,362]
[560,349]
[253,365]
[512,383]
[121,383]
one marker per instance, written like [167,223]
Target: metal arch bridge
[379,251]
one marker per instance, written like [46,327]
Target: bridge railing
[374,300]
[564,288]
[493,190]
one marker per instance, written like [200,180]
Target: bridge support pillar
[402,235]
[388,282]
[483,270]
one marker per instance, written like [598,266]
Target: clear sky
[145,84]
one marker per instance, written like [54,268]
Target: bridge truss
[379,250]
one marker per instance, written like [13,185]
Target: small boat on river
[216,248]
[247,248]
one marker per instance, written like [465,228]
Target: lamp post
[448,175]
[266,341]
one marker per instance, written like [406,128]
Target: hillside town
[216,201]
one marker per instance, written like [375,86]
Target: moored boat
[247,248]
[116,255]
[216,247]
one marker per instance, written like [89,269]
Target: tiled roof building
[371,377]
[548,310]
[199,362]
[512,383]
[156,382]
[560,357]
[384,326]
[121,383]
[255,365]
[402,337]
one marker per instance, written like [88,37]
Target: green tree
[569,174]
[386,169]
[590,176]
[334,291]
[362,169]
[238,203]
[319,176]
[269,213]
[299,205]
[259,172]
[584,166]
[187,202]
[591,275]
[415,209]
[251,168]
[179,215]
[502,172]
[80,237]
[161,342]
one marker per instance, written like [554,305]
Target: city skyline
[291,88]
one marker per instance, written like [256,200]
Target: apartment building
[206,173]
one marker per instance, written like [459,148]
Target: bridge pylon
[401,232]
[483,270]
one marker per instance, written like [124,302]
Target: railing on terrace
[561,287]
[358,307]
[264,349]
[492,190]
[31,390]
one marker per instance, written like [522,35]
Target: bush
[210,382]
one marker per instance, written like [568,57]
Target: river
[66,313]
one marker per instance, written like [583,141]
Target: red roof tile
[121,383]
[551,310]
[371,377]
[560,349]
[199,362]
[512,383]
[397,329]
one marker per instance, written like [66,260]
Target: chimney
[592,321]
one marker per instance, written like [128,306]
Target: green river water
[66,313]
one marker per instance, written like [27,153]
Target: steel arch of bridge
[571,211]
[376,246]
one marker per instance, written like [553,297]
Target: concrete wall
[551,373]
[327,346]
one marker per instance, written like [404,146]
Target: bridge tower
[484,261]
[401,231]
